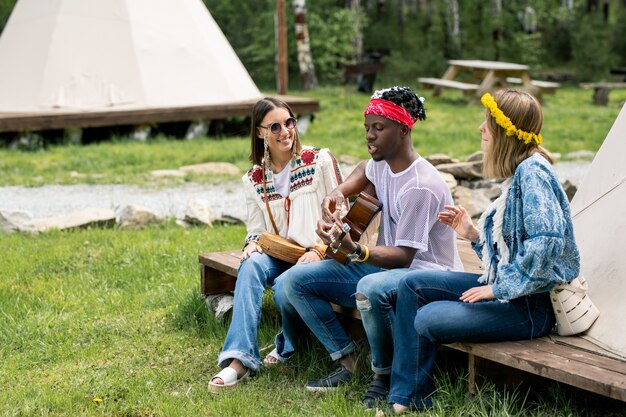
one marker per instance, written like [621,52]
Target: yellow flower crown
[503,121]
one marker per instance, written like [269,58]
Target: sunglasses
[276,127]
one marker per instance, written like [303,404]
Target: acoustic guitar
[363,211]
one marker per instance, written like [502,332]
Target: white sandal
[229,376]
[274,354]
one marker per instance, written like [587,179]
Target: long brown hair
[259,111]
[505,153]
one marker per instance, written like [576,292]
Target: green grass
[109,322]
[571,123]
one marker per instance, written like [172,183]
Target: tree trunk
[355,5]
[454,25]
[305,58]
[281,48]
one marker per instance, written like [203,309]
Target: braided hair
[404,97]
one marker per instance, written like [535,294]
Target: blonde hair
[505,153]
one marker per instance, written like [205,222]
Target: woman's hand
[459,219]
[482,292]
[309,256]
[250,248]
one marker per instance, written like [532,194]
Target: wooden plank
[602,85]
[528,356]
[488,65]
[13,122]
[537,83]
[440,82]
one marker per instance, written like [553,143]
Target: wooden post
[281,46]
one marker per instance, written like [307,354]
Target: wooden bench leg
[601,96]
[472,369]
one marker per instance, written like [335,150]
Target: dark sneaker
[376,392]
[331,381]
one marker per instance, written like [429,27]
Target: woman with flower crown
[525,239]
[284,191]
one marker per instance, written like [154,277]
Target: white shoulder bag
[573,309]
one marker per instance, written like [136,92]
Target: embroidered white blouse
[314,174]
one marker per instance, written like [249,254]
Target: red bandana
[389,110]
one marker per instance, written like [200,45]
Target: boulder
[198,212]
[95,217]
[463,170]
[475,157]
[450,181]
[13,221]
[439,158]
[474,201]
[211,168]
[167,173]
[219,304]
[570,189]
[134,216]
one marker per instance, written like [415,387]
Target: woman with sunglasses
[284,191]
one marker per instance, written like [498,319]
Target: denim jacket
[538,231]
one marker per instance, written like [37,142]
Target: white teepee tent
[599,213]
[66,55]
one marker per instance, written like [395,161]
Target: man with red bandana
[412,193]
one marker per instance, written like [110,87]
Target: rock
[439,158]
[570,189]
[228,219]
[77,219]
[211,168]
[588,155]
[449,179]
[463,170]
[475,157]
[219,304]
[167,173]
[134,216]
[198,212]
[474,201]
[349,160]
[14,221]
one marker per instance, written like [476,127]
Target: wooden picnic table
[487,76]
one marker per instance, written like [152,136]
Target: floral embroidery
[307,156]
[257,175]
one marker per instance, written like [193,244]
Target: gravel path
[224,199]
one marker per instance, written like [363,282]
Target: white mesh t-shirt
[411,201]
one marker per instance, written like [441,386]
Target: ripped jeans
[311,287]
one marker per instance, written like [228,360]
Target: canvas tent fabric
[599,214]
[66,55]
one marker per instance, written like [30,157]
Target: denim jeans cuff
[381,371]
[423,404]
[343,352]
[248,361]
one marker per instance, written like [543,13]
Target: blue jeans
[428,312]
[258,272]
[306,291]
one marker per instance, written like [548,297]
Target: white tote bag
[573,309]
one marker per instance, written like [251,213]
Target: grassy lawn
[571,123]
[109,322]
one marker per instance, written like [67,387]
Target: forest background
[580,38]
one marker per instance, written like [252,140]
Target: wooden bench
[601,91]
[439,84]
[545,87]
[545,357]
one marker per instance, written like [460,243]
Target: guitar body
[362,212]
